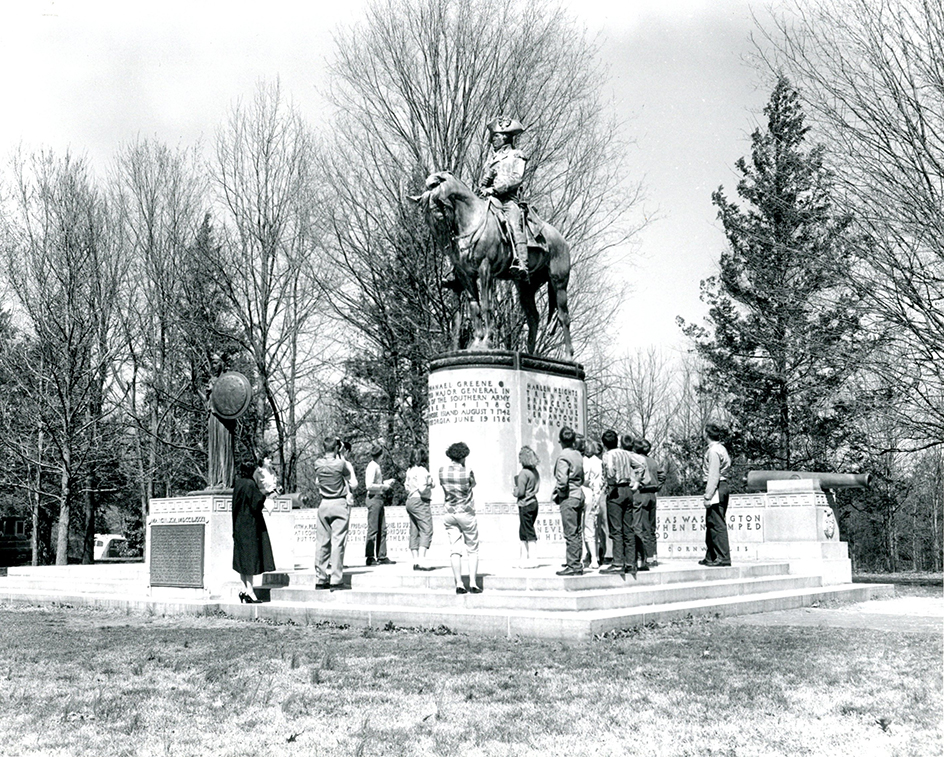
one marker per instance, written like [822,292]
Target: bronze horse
[481,255]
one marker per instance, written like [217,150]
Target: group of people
[606,493]
[607,496]
[336,481]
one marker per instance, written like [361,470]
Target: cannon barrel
[757,479]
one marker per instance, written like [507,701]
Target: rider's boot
[517,269]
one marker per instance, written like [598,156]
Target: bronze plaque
[177,555]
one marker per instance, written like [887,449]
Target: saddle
[533,224]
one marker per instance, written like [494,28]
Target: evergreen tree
[783,332]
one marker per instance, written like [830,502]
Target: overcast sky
[93,75]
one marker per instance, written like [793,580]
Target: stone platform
[516,602]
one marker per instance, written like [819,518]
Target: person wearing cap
[503,174]
[716,467]
[377,487]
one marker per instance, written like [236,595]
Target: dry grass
[90,682]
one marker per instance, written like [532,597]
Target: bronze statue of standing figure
[228,397]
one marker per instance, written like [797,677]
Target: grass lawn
[93,682]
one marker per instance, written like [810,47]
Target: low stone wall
[190,544]
[778,526]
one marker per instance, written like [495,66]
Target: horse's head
[438,201]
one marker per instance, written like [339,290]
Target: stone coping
[507,359]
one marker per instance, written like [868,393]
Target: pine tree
[783,332]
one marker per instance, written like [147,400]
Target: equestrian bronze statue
[494,237]
[482,254]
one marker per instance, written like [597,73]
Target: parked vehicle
[14,543]
[109,547]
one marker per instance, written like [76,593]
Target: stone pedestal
[189,544]
[498,535]
[496,401]
[791,522]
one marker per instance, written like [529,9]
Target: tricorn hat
[505,125]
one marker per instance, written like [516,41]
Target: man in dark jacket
[645,500]
[568,494]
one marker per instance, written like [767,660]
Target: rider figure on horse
[503,174]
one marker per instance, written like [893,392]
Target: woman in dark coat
[252,551]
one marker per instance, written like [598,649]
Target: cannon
[757,479]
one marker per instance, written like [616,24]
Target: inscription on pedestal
[472,401]
[674,526]
[555,406]
[497,402]
[177,555]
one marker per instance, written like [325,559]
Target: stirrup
[518,270]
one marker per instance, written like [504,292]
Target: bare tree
[66,274]
[160,194]
[872,74]
[640,393]
[415,84]
[269,260]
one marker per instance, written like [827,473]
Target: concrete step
[469,613]
[608,620]
[502,578]
[473,619]
[109,570]
[83,586]
[626,594]
[118,578]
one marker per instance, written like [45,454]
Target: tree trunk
[937,504]
[917,561]
[37,499]
[65,494]
[891,537]
[88,543]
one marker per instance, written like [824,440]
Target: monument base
[189,544]
[791,524]
[496,401]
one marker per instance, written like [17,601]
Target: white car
[108,546]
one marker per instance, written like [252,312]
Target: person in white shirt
[266,480]
[594,496]
[377,487]
[716,466]
[419,488]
